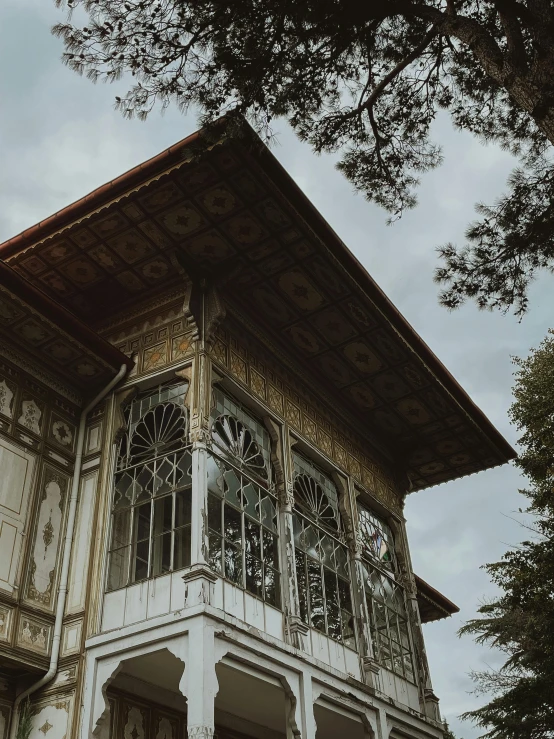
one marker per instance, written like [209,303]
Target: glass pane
[181,548]
[302,584]
[232,525]
[341,560]
[252,543]
[348,634]
[254,575]
[332,605]
[251,500]
[317,608]
[326,548]
[140,565]
[232,488]
[271,586]
[215,476]
[310,541]
[142,522]
[269,513]
[344,595]
[161,554]
[183,473]
[121,528]
[215,551]
[145,481]
[214,513]
[271,550]
[163,515]
[233,563]
[163,481]
[123,491]
[182,508]
[297,531]
[117,577]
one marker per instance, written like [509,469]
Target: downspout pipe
[66,559]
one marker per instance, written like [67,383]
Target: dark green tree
[520,621]
[364,79]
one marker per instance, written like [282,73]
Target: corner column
[200,685]
[199,577]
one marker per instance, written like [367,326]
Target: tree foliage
[366,80]
[520,622]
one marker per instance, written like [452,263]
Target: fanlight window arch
[152,488]
[236,441]
[242,507]
[321,556]
[312,500]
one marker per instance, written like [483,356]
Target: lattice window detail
[151,518]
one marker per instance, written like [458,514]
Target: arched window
[321,555]
[152,489]
[242,507]
[386,601]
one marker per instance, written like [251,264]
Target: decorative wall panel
[133,719]
[158,336]
[52,720]
[335,441]
[5,622]
[33,634]
[17,466]
[43,562]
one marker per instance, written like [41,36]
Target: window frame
[389,575]
[300,513]
[264,486]
[128,546]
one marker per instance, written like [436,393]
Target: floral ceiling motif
[225,211]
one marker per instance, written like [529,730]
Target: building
[210,416]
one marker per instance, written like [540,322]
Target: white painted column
[199,577]
[199,682]
[309,726]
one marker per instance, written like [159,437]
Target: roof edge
[61,317]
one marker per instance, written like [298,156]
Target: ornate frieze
[303,416]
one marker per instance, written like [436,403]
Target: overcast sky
[60,138]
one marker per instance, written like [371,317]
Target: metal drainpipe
[62,591]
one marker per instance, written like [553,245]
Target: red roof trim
[96,198]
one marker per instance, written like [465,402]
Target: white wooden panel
[413,696]
[320,646]
[81,544]
[178,588]
[135,603]
[218,594]
[16,470]
[274,622]
[336,655]
[233,600]
[352,663]
[254,612]
[159,596]
[388,684]
[114,610]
